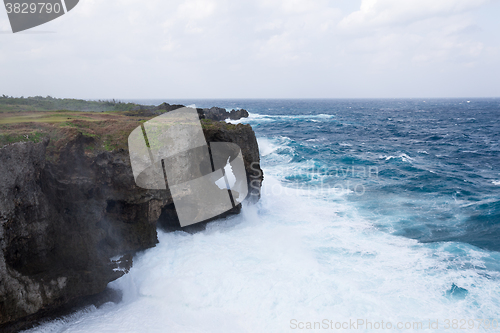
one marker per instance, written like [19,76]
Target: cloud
[259,48]
[399,34]
[383,13]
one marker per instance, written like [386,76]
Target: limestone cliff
[62,220]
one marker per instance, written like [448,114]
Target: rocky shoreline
[213,113]
[61,221]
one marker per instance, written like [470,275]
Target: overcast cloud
[258,49]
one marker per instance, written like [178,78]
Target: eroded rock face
[244,137]
[213,113]
[61,222]
[219,114]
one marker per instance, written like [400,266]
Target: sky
[131,49]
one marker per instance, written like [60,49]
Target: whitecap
[297,254]
[266,146]
[403,157]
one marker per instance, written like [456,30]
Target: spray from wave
[306,255]
[293,256]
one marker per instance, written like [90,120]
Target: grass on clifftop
[109,130]
[39,103]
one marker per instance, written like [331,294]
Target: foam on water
[310,254]
[252,117]
[403,157]
[292,256]
[255,117]
[266,147]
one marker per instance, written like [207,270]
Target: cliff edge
[71,216]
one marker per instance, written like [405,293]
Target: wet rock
[64,223]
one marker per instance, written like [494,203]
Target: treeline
[39,103]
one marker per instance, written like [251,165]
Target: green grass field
[109,129]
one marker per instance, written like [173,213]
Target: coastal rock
[213,113]
[238,114]
[219,114]
[69,227]
[167,107]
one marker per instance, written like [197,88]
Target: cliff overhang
[71,215]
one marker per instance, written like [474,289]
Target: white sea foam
[481,202]
[277,150]
[291,256]
[298,254]
[403,157]
[266,146]
[255,117]
[496,182]
[301,116]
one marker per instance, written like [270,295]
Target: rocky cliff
[213,113]
[62,220]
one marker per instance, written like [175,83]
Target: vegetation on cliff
[39,103]
[69,205]
[35,118]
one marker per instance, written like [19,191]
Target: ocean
[376,215]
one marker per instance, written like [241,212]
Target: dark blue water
[428,169]
[374,210]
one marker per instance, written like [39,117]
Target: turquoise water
[372,210]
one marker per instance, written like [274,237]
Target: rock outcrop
[62,222]
[213,113]
[219,114]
